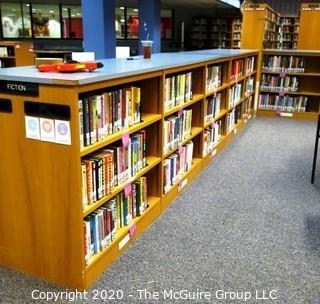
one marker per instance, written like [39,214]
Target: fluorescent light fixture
[51,11]
[135,10]
[235,3]
[64,9]
[28,5]
[122,7]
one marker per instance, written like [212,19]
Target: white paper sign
[63,132]
[47,130]
[32,127]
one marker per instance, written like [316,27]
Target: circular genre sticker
[62,129]
[32,125]
[46,125]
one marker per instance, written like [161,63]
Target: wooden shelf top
[121,68]
[291,52]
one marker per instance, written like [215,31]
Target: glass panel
[72,21]
[120,23]
[133,23]
[26,31]
[11,20]
[46,21]
[166,24]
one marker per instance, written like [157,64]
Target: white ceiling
[179,3]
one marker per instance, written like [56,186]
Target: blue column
[99,36]
[149,14]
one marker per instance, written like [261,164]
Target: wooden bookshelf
[236,27]
[212,33]
[15,54]
[41,183]
[259,26]
[288,32]
[290,66]
[309,27]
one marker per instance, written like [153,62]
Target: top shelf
[120,68]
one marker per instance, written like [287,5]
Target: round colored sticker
[62,128]
[46,125]
[32,125]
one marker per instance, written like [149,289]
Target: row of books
[5,51]
[277,83]
[233,118]
[108,113]
[285,103]
[177,128]
[214,77]
[247,105]
[250,65]
[249,85]
[101,226]
[237,69]
[211,137]
[235,94]
[176,165]
[177,90]
[212,106]
[284,64]
[112,166]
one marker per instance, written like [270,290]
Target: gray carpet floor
[250,221]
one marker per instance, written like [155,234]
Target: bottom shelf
[183,181]
[124,237]
[313,116]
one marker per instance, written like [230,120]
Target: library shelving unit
[199,32]
[288,32]
[290,84]
[14,54]
[236,33]
[219,33]
[308,38]
[259,26]
[89,160]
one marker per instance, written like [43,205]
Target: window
[72,22]
[15,20]
[166,24]
[120,23]
[46,21]
[127,23]
[132,23]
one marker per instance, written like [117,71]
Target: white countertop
[117,68]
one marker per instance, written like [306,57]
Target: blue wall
[99,27]
[149,23]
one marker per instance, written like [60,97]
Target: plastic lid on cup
[147,42]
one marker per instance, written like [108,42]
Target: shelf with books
[14,54]
[121,233]
[73,184]
[146,120]
[289,83]
[151,162]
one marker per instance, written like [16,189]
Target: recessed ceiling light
[28,5]
[73,15]
[135,10]
[122,20]
[122,7]
[51,11]
[64,9]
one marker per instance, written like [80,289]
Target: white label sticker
[63,132]
[124,241]
[47,130]
[214,152]
[286,114]
[32,127]
[182,184]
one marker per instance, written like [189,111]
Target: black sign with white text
[19,88]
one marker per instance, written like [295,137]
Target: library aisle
[251,221]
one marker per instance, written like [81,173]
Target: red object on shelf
[70,67]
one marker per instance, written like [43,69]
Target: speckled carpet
[247,229]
